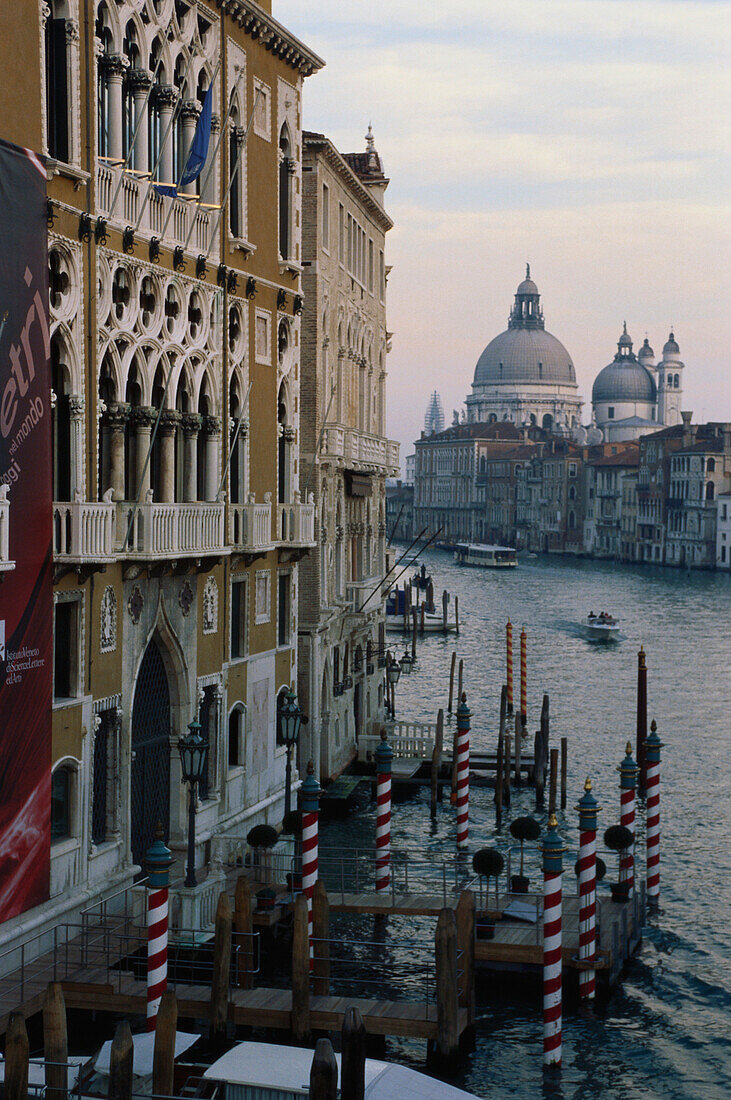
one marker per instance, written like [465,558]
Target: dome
[625,341]
[525,355]
[646,351]
[624,380]
[527,287]
[671,348]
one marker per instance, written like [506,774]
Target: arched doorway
[150,786]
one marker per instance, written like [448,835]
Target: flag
[198,150]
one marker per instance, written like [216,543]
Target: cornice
[261,26]
[338,163]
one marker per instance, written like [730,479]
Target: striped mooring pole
[157,859]
[523,677]
[384,756]
[588,809]
[553,848]
[509,656]
[627,782]
[652,759]
[463,771]
[310,795]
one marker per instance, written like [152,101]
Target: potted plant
[618,839]
[261,839]
[523,828]
[488,863]
[265,899]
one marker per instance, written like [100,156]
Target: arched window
[547,422]
[710,491]
[236,729]
[676,381]
[62,789]
[154,127]
[104,34]
[131,50]
[572,493]
[234,202]
[572,520]
[711,465]
[206,461]
[62,458]
[285,440]
[57,107]
[286,171]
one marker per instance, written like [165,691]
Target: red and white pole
[653,744]
[158,859]
[588,810]
[463,771]
[627,783]
[523,676]
[509,656]
[384,756]
[310,795]
[553,849]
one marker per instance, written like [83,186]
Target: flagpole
[182,172]
[231,175]
[211,166]
[236,436]
[136,130]
[168,128]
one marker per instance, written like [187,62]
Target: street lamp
[407,662]
[290,720]
[393,671]
[193,761]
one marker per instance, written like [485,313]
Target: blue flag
[198,150]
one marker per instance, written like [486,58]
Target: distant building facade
[723,531]
[633,395]
[434,418]
[400,512]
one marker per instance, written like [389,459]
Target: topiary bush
[522,829]
[262,836]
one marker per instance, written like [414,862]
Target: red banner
[26,591]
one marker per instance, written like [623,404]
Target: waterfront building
[496,518]
[633,395]
[409,469]
[174,332]
[400,512]
[699,471]
[346,455]
[549,498]
[723,531]
[628,518]
[525,375]
[607,480]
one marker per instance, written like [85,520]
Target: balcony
[84,531]
[296,523]
[354,446]
[357,592]
[185,220]
[250,526]
[170,530]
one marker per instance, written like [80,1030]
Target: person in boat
[592,615]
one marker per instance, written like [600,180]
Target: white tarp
[144,1049]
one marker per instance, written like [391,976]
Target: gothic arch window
[236,175]
[57,82]
[236,735]
[711,465]
[132,459]
[63,791]
[285,447]
[286,172]
[61,423]
[239,432]
[131,51]
[104,34]
[710,491]
[206,462]
[154,125]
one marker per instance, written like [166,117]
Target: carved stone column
[208,182]
[167,97]
[191,426]
[115,420]
[190,112]
[212,429]
[144,418]
[77,405]
[168,424]
[140,81]
[114,67]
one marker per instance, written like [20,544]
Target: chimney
[688,433]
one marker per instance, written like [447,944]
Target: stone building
[723,531]
[175,334]
[607,479]
[633,395]
[400,512]
[346,455]
[700,471]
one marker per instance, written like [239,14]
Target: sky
[586,137]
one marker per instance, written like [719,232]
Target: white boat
[264,1071]
[433,624]
[602,627]
[488,557]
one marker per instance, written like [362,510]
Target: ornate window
[62,791]
[286,173]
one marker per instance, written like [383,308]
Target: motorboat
[487,557]
[602,627]
[265,1071]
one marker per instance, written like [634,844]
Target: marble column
[192,423]
[144,418]
[115,421]
[212,428]
[166,99]
[208,182]
[114,66]
[77,405]
[190,113]
[168,424]
[140,81]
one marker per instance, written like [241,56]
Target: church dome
[525,352]
[646,351]
[624,379]
[671,348]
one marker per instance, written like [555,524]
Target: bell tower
[669,384]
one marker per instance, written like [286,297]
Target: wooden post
[499,781]
[545,723]
[300,971]
[506,765]
[121,1063]
[407,607]
[445,603]
[321,936]
[423,608]
[455,744]
[163,1062]
[324,1072]
[553,782]
[539,769]
[466,944]
[503,710]
[460,679]
[244,925]
[446,979]
[221,968]
[564,769]
[414,617]
[353,1044]
[16,1058]
[55,1042]
[456,620]
[451,680]
[436,762]
[518,749]
[641,719]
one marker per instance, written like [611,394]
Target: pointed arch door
[150,783]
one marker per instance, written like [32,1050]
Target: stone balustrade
[353,445]
[296,523]
[130,202]
[170,530]
[5,562]
[84,531]
[250,525]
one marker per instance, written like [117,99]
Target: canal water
[665,1031]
